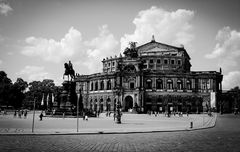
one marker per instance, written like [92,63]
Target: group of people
[166,113]
[20,113]
[85,116]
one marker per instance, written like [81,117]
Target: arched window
[109,85]
[149,84]
[96,85]
[130,69]
[179,84]
[91,86]
[159,84]
[189,85]
[101,85]
[169,84]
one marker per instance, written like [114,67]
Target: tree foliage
[5,86]
[39,90]
[20,94]
[11,94]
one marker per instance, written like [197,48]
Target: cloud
[34,73]
[1,38]
[10,53]
[231,80]
[227,49]
[86,55]
[5,8]
[167,27]
[104,45]
[52,50]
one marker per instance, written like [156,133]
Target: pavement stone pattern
[224,137]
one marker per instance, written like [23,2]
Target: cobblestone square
[225,136]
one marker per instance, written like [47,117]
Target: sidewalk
[131,123]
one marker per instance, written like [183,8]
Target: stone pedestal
[68,99]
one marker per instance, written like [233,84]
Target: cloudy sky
[38,36]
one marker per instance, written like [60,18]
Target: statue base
[68,100]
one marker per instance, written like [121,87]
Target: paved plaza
[103,124]
[225,136]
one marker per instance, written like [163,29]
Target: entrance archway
[101,105]
[108,104]
[128,103]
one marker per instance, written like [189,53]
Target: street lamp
[34,102]
[79,95]
[118,106]
[118,112]
[119,91]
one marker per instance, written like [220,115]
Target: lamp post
[34,101]
[118,107]
[118,112]
[119,89]
[79,95]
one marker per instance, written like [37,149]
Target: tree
[37,89]
[11,94]
[5,86]
[17,93]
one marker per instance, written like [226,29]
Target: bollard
[191,124]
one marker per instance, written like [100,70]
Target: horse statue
[69,71]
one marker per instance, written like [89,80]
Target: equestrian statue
[69,71]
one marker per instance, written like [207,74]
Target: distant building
[150,77]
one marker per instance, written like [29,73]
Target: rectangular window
[132,85]
[172,61]
[179,62]
[151,61]
[165,61]
[109,64]
[113,64]
[158,61]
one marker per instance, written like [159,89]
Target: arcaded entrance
[128,103]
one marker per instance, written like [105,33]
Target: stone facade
[153,76]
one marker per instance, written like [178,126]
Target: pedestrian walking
[83,115]
[19,114]
[98,113]
[15,114]
[114,115]
[25,114]
[86,117]
[41,116]
[63,115]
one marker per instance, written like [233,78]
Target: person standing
[19,114]
[41,116]
[15,114]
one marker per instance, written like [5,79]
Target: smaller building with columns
[150,77]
